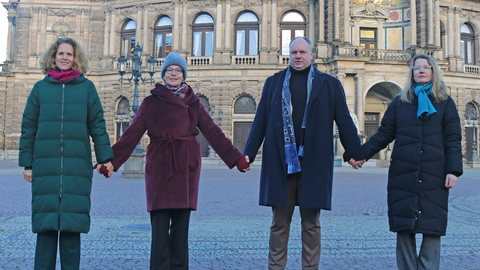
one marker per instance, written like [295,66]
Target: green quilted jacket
[57,124]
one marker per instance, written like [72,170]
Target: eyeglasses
[171,70]
[424,68]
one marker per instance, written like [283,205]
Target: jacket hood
[71,81]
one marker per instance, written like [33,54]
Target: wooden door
[240,134]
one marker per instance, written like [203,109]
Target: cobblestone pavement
[230,231]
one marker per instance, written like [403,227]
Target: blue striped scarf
[291,154]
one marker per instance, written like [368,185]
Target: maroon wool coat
[173,159]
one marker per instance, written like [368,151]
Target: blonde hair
[439,90]
[80,61]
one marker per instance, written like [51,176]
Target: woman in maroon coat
[173,116]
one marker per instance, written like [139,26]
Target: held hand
[451,181]
[110,168]
[105,169]
[356,164]
[27,175]
[243,164]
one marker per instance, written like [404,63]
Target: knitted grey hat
[174,59]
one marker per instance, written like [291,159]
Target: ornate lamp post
[474,142]
[134,166]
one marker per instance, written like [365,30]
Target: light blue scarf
[425,108]
[291,155]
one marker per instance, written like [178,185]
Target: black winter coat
[425,151]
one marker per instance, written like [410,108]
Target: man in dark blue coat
[294,120]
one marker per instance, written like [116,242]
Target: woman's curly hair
[80,61]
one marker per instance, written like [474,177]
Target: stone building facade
[232,46]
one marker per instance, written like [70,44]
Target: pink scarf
[62,77]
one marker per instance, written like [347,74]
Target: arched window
[202,36]
[163,37]
[128,38]
[293,25]
[247,34]
[122,116]
[244,105]
[467,44]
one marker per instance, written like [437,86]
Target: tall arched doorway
[243,112]
[377,100]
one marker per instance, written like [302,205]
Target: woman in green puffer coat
[62,112]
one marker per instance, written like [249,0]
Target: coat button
[419,180]
[419,211]
[421,151]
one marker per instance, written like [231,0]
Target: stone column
[450,32]
[458,54]
[430,20]
[274,33]
[176,19]
[105,33]
[228,26]
[42,36]
[32,44]
[147,45]
[112,32]
[273,54]
[346,22]
[11,19]
[218,27]
[263,52]
[359,110]
[413,22]
[184,26]
[78,25]
[227,48]
[264,38]
[311,21]
[336,20]
[322,47]
[457,26]
[38,36]
[321,21]
[138,30]
[437,24]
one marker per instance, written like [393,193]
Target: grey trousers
[427,259]
[280,230]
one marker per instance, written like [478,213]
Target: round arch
[377,97]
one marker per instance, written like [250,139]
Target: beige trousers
[280,230]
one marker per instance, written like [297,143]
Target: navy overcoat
[425,151]
[327,104]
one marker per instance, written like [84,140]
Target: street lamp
[136,76]
[474,143]
[134,166]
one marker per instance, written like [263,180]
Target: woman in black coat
[425,163]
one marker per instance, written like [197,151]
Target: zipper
[61,141]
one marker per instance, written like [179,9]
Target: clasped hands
[356,164]
[105,169]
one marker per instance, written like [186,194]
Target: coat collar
[318,81]
[71,81]
[165,94]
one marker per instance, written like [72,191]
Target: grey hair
[304,38]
